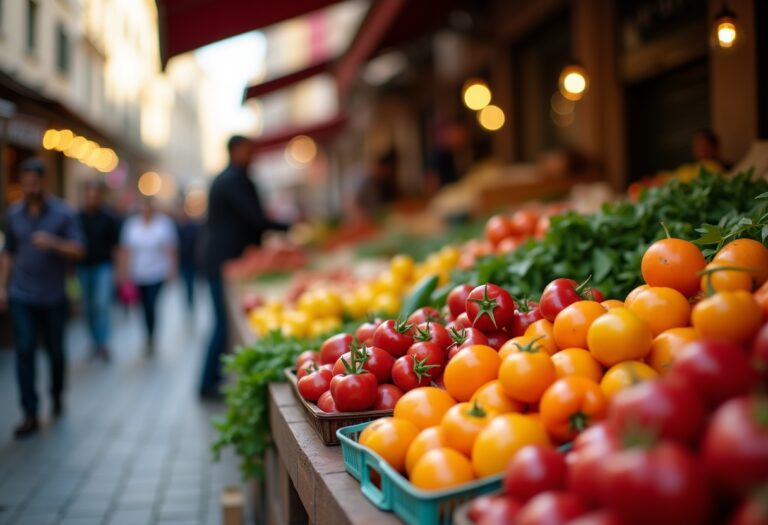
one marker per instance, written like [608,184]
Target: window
[62,50]
[31,25]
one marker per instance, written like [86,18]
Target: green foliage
[609,245]
[245,425]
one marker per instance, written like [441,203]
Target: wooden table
[306,481]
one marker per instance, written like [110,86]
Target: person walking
[147,258]
[235,220]
[96,272]
[42,238]
[188,231]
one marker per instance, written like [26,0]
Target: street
[133,445]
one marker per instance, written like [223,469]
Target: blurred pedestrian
[235,220]
[43,237]
[442,167]
[705,147]
[148,243]
[376,189]
[188,230]
[96,271]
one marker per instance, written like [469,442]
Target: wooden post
[232,506]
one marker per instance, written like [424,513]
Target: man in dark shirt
[102,234]
[43,237]
[235,220]
[188,229]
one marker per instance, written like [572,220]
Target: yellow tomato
[424,406]
[470,368]
[721,280]
[390,439]
[577,362]
[428,439]
[402,267]
[617,336]
[572,323]
[462,423]
[542,329]
[354,305]
[492,396]
[667,345]
[731,316]
[633,294]
[662,308]
[610,304]
[501,438]
[386,303]
[441,468]
[625,374]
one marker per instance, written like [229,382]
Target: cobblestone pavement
[133,446]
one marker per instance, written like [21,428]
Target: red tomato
[386,397]
[334,347]
[430,355]
[717,370]
[433,332]
[561,292]
[525,315]
[325,402]
[598,517]
[394,337]
[306,355]
[306,368]
[524,222]
[535,469]
[735,446]
[364,333]
[375,360]
[670,409]
[759,353]
[354,392]
[408,373]
[663,485]
[462,321]
[752,512]
[496,338]
[314,384]
[490,307]
[425,314]
[457,299]
[499,510]
[551,508]
[463,337]
[498,228]
[586,461]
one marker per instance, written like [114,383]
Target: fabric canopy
[185,25]
[317,131]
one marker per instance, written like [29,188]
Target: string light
[476,94]
[574,82]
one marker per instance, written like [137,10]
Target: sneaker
[28,427]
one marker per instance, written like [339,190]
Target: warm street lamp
[725,30]
[574,81]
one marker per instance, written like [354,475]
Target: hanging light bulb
[574,82]
[725,32]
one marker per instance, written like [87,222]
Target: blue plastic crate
[395,493]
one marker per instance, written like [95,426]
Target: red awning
[317,131]
[258,90]
[185,25]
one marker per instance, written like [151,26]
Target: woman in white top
[148,258]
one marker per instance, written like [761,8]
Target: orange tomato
[462,423]
[617,336]
[662,308]
[526,375]
[673,263]
[390,438]
[570,405]
[501,438]
[428,439]
[521,343]
[442,468]
[761,298]
[424,406]
[470,369]
[492,396]
[720,280]
[746,253]
[609,304]
[728,316]
[633,294]
[572,323]
[542,329]
[625,374]
[667,345]
[577,362]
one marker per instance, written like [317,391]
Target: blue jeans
[148,294]
[217,347]
[188,276]
[29,323]
[98,287]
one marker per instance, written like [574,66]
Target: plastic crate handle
[382,498]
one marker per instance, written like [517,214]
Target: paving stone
[81,521]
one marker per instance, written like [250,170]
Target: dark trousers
[148,294]
[188,276]
[217,347]
[29,323]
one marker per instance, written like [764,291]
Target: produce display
[635,338]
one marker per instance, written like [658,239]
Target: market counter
[306,481]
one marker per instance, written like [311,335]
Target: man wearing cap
[42,238]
